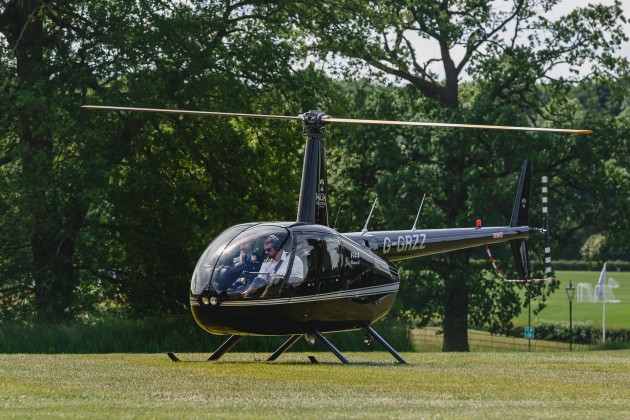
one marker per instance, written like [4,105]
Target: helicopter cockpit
[248,261]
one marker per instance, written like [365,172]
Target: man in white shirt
[276,263]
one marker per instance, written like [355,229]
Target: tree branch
[15,289]
[6,159]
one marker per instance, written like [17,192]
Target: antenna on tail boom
[369,216]
[418,215]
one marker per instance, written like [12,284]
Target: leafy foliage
[511,54]
[116,207]
[107,212]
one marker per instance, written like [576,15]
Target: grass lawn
[617,314]
[532,385]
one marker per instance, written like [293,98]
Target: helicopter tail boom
[404,244]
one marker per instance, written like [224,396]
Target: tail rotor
[545,212]
[520,218]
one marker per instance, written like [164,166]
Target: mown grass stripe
[532,385]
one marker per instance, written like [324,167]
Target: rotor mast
[313,204]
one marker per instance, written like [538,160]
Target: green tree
[599,228]
[117,206]
[509,52]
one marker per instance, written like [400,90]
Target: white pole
[601,294]
[604,318]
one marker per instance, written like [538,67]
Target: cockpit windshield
[247,262]
[205,265]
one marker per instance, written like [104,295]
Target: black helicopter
[335,281]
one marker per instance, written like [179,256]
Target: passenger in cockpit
[249,262]
[249,257]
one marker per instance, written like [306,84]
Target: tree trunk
[456,272]
[456,304]
[53,217]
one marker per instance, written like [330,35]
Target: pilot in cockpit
[277,261]
[273,270]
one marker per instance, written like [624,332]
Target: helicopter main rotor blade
[180,111]
[327,119]
[434,124]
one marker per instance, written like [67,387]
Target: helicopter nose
[200,280]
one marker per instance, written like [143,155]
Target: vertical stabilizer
[520,213]
[520,217]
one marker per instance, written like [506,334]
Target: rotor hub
[314,119]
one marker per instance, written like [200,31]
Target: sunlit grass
[434,384]
[617,314]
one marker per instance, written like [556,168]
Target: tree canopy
[109,211]
[510,52]
[130,199]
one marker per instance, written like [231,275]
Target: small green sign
[529,332]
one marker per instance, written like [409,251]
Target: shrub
[569,265]
[169,333]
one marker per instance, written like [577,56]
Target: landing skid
[369,330]
[234,339]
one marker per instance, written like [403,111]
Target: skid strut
[287,344]
[385,344]
[331,347]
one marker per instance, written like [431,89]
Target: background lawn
[617,314]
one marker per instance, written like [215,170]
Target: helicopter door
[358,266]
[308,250]
[331,305]
[329,275]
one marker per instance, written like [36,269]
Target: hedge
[571,265]
[583,333]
